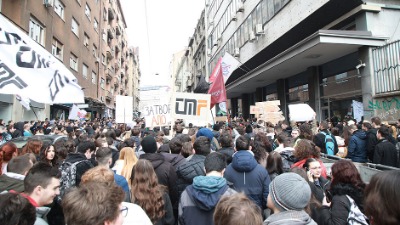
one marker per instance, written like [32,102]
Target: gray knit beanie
[289,191]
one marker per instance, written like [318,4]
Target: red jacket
[300,164]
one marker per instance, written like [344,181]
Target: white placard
[301,112]
[124,109]
[157,115]
[190,106]
[358,110]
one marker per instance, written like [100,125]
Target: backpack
[329,144]
[68,176]
[356,217]
[288,160]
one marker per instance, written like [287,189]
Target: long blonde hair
[128,155]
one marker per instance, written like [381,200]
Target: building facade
[89,37]
[327,53]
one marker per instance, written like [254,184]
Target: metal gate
[387,67]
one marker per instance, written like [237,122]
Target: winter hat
[149,144]
[289,191]
[206,133]
[69,129]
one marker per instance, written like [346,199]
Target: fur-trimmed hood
[348,189]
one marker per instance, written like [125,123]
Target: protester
[129,160]
[175,146]
[104,159]
[187,150]
[4,135]
[197,202]
[382,198]
[289,195]
[48,155]
[346,187]
[237,209]
[226,143]
[135,214]
[13,179]
[304,150]
[247,175]
[94,203]
[323,137]
[385,152]
[150,195]
[317,183]
[357,149]
[7,152]
[274,165]
[32,146]
[16,210]
[41,186]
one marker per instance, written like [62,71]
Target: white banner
[124,109]
[190,106]
[27,69]
[358,110]
[229,64]
[301,112]
[157,115]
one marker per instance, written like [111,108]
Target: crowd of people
[242,172]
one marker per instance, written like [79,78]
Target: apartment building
[89,37]
[327,53]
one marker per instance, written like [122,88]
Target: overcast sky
[170,23]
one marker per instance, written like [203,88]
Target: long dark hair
[274,163]
[43,154]
[382,198]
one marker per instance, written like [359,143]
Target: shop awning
[319,48]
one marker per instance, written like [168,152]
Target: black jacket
[189,170]
[175,159]
[372,140]
[338,213]
[228,153]
[318,188]
[385,153]
[319,140]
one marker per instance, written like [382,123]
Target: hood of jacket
[156,159]
[243,161]
[191,168]
[360,134]
[206,191]
[290,218]
[19,126]
[75,157]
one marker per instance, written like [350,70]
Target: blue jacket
[198,201]
[121,181]
[248,176]
[357,149]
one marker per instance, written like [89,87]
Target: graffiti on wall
[388,109]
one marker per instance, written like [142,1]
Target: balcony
[109,96]
[117,65]
[118,30]
[123,44]
[110,54]
[117,48]
[109,76]
[111,14]
[110,33]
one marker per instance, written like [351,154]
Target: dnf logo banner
[192,106]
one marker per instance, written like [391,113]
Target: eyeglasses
[314,168]
[124,211]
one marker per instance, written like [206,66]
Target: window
[95,25]
[85,71]
[59,8]
[87,11]
[36,31]
[103,59]
[102,81]
[86,40]
[73,62]
[57,49]
[75,27]
[94,50]
[104,34]
[94,77]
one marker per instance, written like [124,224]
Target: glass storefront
[338,92]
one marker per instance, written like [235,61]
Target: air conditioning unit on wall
[259,29]
[236,52]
